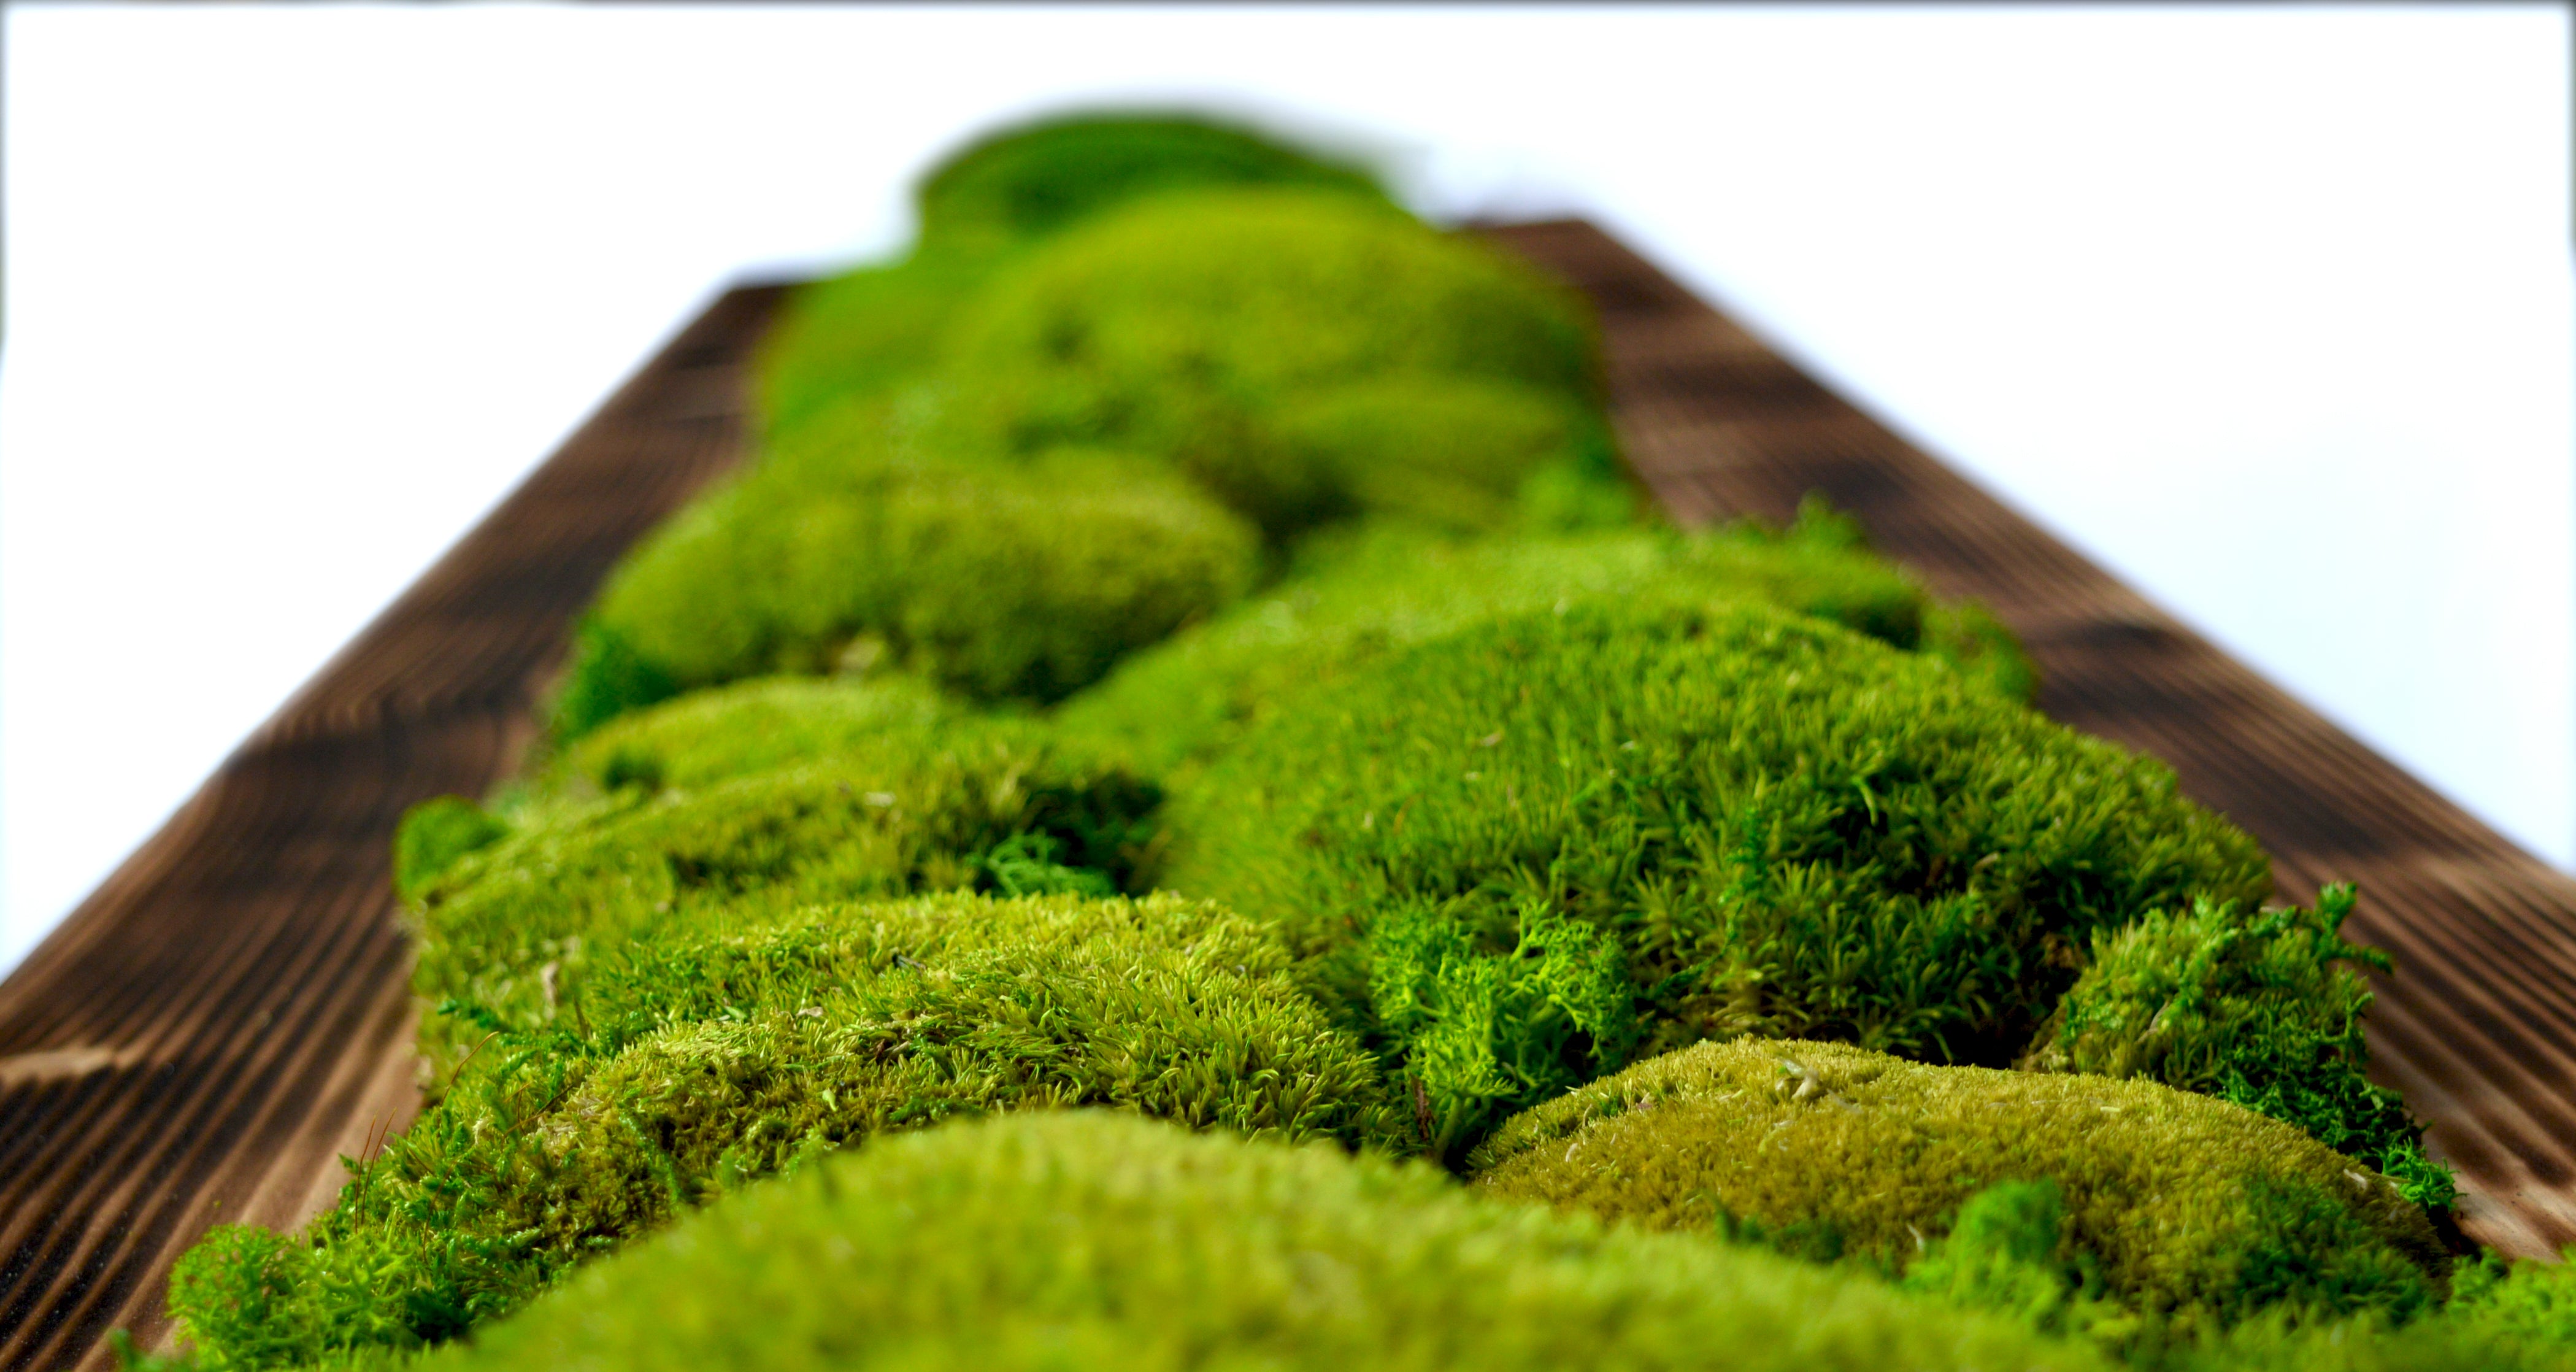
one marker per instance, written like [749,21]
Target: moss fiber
[2195,1210]
[707,1063]
[1078,1241]
[1730,818]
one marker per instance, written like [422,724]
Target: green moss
[862,333]
[750,727]
[606,678]
[2259,1007]
[434,834]
[1082,1240]
[508,934]
[1387,588]
[1467,454]
[2190,1209]
[1040,178]
[1786,829]
[709,1062]
[1020,581]
[1186,326]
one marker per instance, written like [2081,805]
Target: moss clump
[864,333]
[434,834]
[872,328]
[1083,1240]
[1037,179]
[508,934]
[2259,1007]
[1779,826]
[749,727]
[1192,328]
[2195,1211]
[1183,701]
[1015,582]
[710,1062]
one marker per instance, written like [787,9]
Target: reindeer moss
[2196,1211]
[710,1062]
[1183,701]
[1015,581]
[1218,331]
[508,932]
[1779,826]
[2259,1007]
[1083,1240]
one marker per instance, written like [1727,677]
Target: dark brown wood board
[229,1013]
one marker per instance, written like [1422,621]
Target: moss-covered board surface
[1175,813]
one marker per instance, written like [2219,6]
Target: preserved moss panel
[2192,1210]
[1082,1240]
[1187,699]
[1235,333]
[1515,852]
[2259,1007]
[508,934]
[845,547]
[708,1062]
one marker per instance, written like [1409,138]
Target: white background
[2267,309]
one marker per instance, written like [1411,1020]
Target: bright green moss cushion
[752,726]
[2196,1211]
[510,931]
[1036,179]
[1516,851]
[1188,326]
[1184,700]
[876,326]
[707,1062]
[2259,1007]
[1009,581]
[1082,1240]
[861,333]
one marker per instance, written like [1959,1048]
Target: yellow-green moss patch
[2196,1210]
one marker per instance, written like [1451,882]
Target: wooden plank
[2478,1026]
[230,1012]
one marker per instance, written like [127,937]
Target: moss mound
[508,934]
[1516,850]
[2259,1007]
[2195,1210]
[710,1062]
[1186,326]
[1185,700]
[1082,1240]
[874,327]
[861,334]
[1014,582]
[1036,179]
[749,727]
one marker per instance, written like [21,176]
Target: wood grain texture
[230,1012]
[2477,1027]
